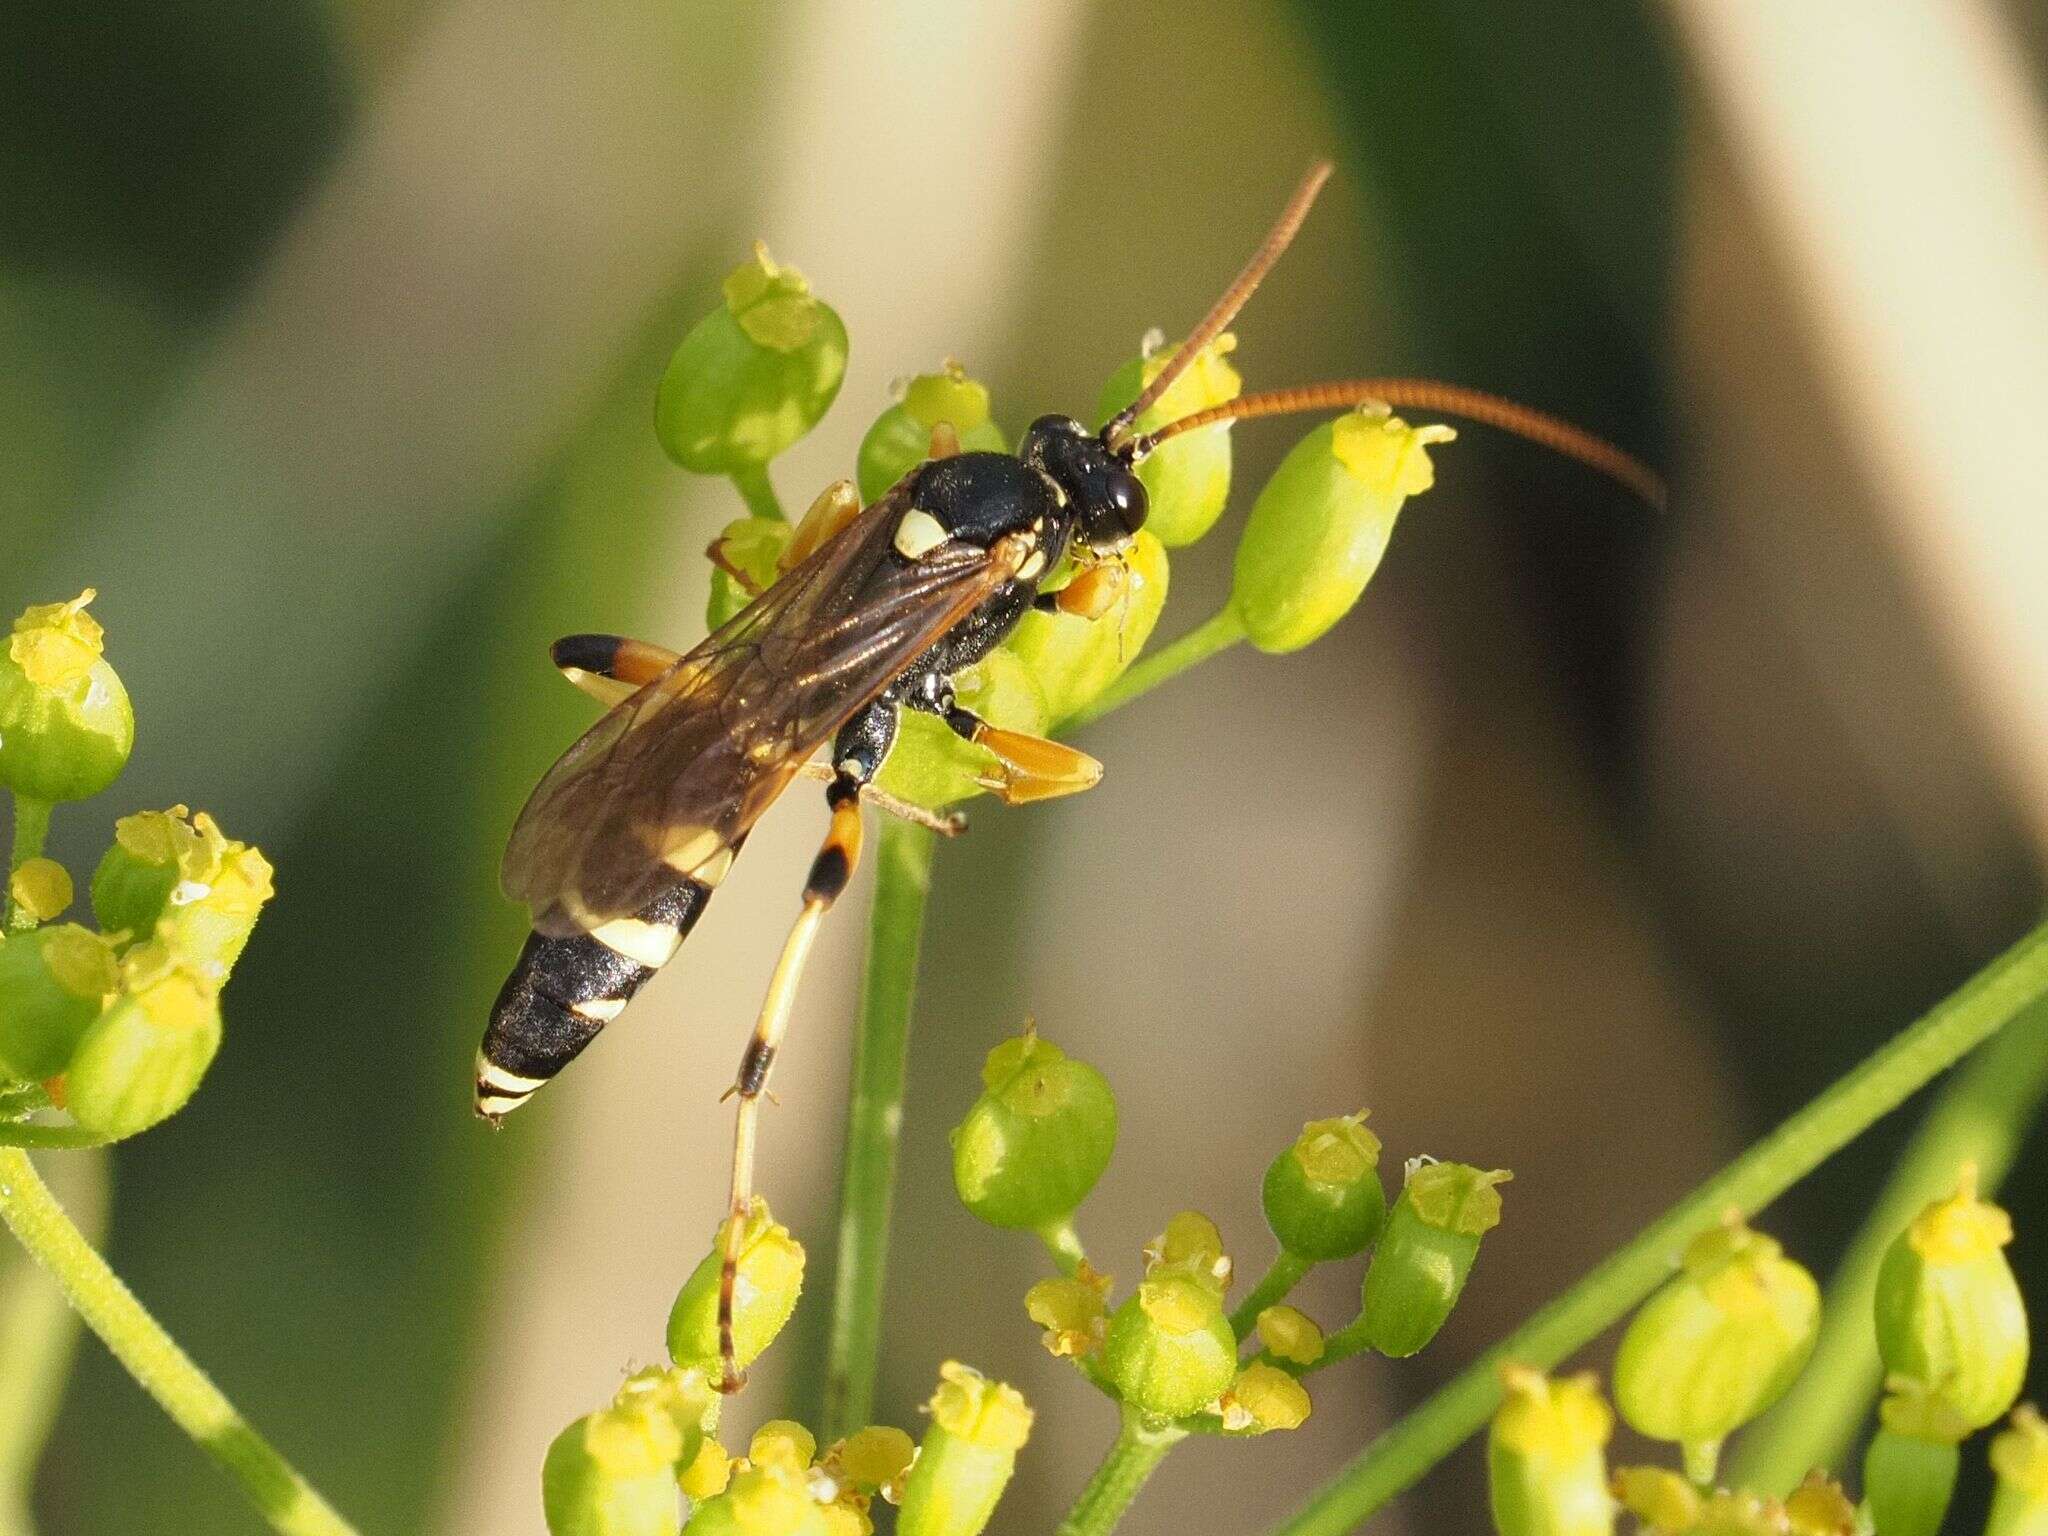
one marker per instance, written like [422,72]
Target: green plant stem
[1352,1339]
[1283,1276]
[68,1136]
[31,827]
[758,492]
[2014,982]
[38,1336]
[874,1122]
[154,1359]
[1064,1244]
[1217,633]
[1981,1116]
[1130,1462]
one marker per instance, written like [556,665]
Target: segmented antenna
[1225,309]
[1523,421]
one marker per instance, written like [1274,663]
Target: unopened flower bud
[768,1500]
[2019,1460]
[967,1456]
[141,1059]
[613,1473]
[1322,1196]
[1663,1500]
[1170,1350]
[1320,525]
[1263,1398]
[1072,1309]
[931,765]
[901,437]
[1187,479]
[753,545]
[40,889]
[1074,658]
[874,1460]
[771,1275]
[1432,1236]
[1037,1139]
[53,984]
[1820,1506]
[66,727]
[1546,1457]
[1949,1312]
[754,375]
[1291,1335]
[1720,1342]
[1909,1469]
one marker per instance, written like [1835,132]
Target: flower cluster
[1172,1351]
[650,1463]
[114,1024]
[1725,1339]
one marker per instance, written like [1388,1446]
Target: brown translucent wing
[689,763]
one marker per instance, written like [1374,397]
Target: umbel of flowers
[110,1025]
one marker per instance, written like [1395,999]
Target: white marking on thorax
[918,534]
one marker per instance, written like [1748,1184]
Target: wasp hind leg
[610,668]
[857,756]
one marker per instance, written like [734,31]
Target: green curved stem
[1980,1117]
[1130,1462]
[758,492]
[2010,985]
[154,1359]
[1284,1275]
[1217,633]
[31,828]
[874,1122]
[1064,1244]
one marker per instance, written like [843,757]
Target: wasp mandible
[622,843]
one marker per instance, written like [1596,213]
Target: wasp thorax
[1102,493]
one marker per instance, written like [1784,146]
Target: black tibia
[536,1027]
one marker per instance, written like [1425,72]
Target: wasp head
[1103,496]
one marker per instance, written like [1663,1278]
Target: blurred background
[1589,846]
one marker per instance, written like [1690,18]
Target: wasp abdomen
[564,990]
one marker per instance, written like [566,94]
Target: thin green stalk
[874,1122]
[1981,1116]
[1130,1462]
[758,492]
[1217,633]
[38,1336]
[154,1359]
[1064,1244]
[31,827]
[1284,1275]
[2011,984]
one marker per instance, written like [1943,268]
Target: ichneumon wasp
[622,843]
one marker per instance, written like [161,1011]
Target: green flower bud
[1949,1312]
[1187,479]
[1170,1351]
[1719,1343]
[1290,1334]
[1263,1398]
[874,1460]
[1663,1500]
[967,1455]
[613,1473]
[771,1276]
[754,376]
[1820,1507]
[1909,1470]
[1546,1457]
[930,765]
[1431,1238]
[140,1060]
[1073,658]
[761,1501]
[53,984]
[1318,529]
[2019,1459]
[65,723]
[178,876]
[1037,1139]
[901,437]
[40,889]
[1072,1309]
[1322,1196]
[754,545]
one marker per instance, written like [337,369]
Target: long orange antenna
[1225,309]
[1524,421]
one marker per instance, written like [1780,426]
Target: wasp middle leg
[1027,768]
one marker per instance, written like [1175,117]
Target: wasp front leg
[1027,767]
